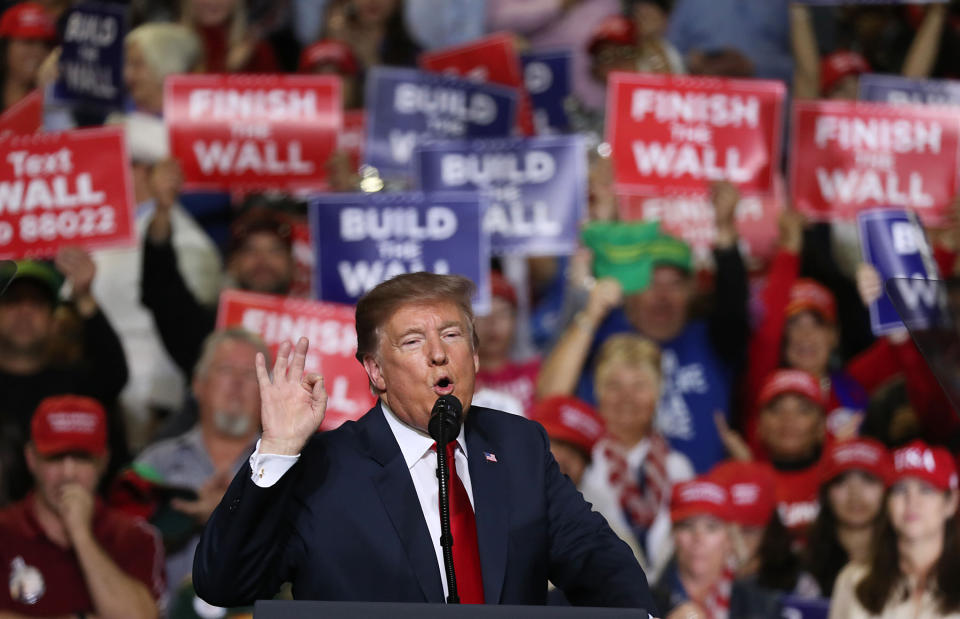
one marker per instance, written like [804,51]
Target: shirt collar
[414,443]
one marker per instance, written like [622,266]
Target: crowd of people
[736,422]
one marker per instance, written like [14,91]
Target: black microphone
[444,426]
[445,419]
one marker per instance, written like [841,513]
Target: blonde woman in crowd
[633,468]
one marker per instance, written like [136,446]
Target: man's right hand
[292,404]
[605,295]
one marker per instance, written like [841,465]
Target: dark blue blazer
[345,524]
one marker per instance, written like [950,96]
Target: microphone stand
[444,426]
[446,538]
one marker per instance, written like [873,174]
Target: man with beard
[259,259]
[30,367]
[206,457]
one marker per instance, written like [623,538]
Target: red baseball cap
[615,29]
[502,288]
[66,423]
[27,20]
[808,295]
[329,51]
[566,418]
[933,465]
[859,454]
[699,497]
[784,381]
[838,65]
[752,489]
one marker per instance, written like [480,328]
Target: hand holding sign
[79,269]
[292,404]
[725,197]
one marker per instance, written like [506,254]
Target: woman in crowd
[914,569]
[229,44]
[27,34]
[633,467]
[701,579]
[151,53]
[791,431]
[851,497]
[374,30]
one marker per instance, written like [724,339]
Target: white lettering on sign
[99,30]
[537,77]
[89,78]
[702,162]
[861,186]
[241,156]
[719,110]
[904,235]
[217,104]
[358,224]
[363,275]
[328,337]
[24,163]
[879,134]
[479,108]
[55,193]
[401,144]
[520,220]
[481,170]
[918,291]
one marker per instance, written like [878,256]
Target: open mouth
[443,386]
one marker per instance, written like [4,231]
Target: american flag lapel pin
[490,456]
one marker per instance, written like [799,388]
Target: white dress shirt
[421,461]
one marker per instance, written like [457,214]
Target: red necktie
[463,528]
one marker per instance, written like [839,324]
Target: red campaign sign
[68,188]
[253,131]
[332,333]
[673,135]
[691,218]
[850,156]
[23,117]
[353,136]
[490,59]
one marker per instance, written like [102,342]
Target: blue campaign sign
[363,239]
[892,240]
[404,106]
[896,89]
[841,2]
[547,76]
[536,188]
[91,56]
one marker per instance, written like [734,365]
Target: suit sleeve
[248,545]
[588,561]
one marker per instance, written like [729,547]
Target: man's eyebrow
[451,323]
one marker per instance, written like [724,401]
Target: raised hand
[79,268]
[725,196]
[292,404]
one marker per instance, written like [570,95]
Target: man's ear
[372,367]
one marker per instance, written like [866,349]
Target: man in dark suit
[352,514]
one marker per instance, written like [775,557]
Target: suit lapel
[401,503]
[488,478]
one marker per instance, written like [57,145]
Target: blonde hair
[626,350]
[236,34]
[168,48]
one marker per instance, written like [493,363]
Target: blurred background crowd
[735,420]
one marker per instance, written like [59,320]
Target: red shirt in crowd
[215,41]
[45,579]
[797,498]
[516,379]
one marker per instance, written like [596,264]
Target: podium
[285,609]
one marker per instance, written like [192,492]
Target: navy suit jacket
[345,523]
